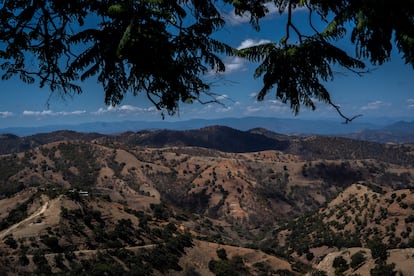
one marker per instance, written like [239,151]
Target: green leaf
[125,39]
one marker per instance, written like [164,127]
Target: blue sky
[388,91]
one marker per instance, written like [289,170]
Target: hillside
[361,216]
[93,203]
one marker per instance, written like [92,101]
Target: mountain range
[224,139]
[380,131]
[208,201]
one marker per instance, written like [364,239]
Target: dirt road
[38,212]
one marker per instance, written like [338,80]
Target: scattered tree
[222,254]
[378,249]
[10,241]
[234,266]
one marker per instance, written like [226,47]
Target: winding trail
[38,212]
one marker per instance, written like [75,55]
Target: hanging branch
[338,110]
[290,25]
[310,20]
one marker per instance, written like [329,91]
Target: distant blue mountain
[396,132]
[283,126]
[399,132]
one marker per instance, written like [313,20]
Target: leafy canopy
[164,48]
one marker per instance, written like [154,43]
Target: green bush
[10,241]
[222,254]
[52,243]
[357,259]
[378,249]
[340,265]
[233,267]
[383,269]
[23,260]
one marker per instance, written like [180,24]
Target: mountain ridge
[227,139]
[391,132]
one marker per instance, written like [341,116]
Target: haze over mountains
[380,131]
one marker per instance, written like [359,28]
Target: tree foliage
[378,249]
[159,47]
[165,48]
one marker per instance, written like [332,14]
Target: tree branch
[290,25]
[310,19]
[338,110]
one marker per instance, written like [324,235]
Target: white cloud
[375,105]
[223,109]
[37,113]
[236,109]
[232,64]
[276,106]
[70,113]
[235,64]
[101,111]
[410,103]
[233,19]
[251,42]
[207,111]
[123,109]
[253,95]
[52,113]
[253,109]
[222,97]
[129,108]
[5,114]
[275,103]
[270,107]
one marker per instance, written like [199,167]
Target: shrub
[340,265]
[309,256]
[383,269]
[23,260]
[222,254]
[52,243]
[11,242]
[357,259]
[233,267]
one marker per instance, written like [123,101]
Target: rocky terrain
[215,201]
